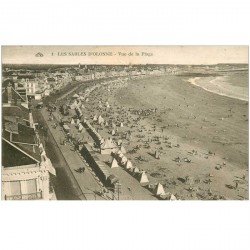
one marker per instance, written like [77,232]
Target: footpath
[89,185]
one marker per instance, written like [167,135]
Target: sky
[125,54]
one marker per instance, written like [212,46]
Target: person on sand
[236,184]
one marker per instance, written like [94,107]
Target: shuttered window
[31,186]
[15,187]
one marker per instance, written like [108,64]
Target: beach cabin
[66,128]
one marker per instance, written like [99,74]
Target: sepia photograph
[125,123]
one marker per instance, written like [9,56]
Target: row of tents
[119,159]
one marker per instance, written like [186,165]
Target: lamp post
[116,188]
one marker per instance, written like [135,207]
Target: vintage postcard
[125,123]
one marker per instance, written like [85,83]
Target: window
[15,187]
[31,186]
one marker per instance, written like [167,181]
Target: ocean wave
[220,85]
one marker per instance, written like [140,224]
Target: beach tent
[136,170]
[72,121]
[143,179]
[75,96]
[119,152]
[80,127]
[124,160]
[159,190]
[123,150]
[66,128]
[121,125]
[95,118]
[106,124]
[100,120]
[114,163]
[173,198]
[129,165]
[113,132]
[108,146]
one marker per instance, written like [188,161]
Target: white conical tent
[113,132]
[80,127]
[100,120]
[123,150]
[159,190]
[143,178]
[72,121]
[136,170]
[173,198]
[114,163]
[95,118]
[120,154]
[129,165]
[124,160]
[121,125]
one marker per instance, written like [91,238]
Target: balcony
[32,196]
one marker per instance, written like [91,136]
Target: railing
[32,196]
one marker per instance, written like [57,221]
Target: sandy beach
[201,137]
[208,129]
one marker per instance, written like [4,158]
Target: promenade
[87,183]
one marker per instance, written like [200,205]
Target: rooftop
[13,155]
[12,96]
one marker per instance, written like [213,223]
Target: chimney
[16,85]
[31,119]
[18,102]
[9,93]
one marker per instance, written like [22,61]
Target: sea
[231,84]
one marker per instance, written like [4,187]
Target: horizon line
[122,64]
